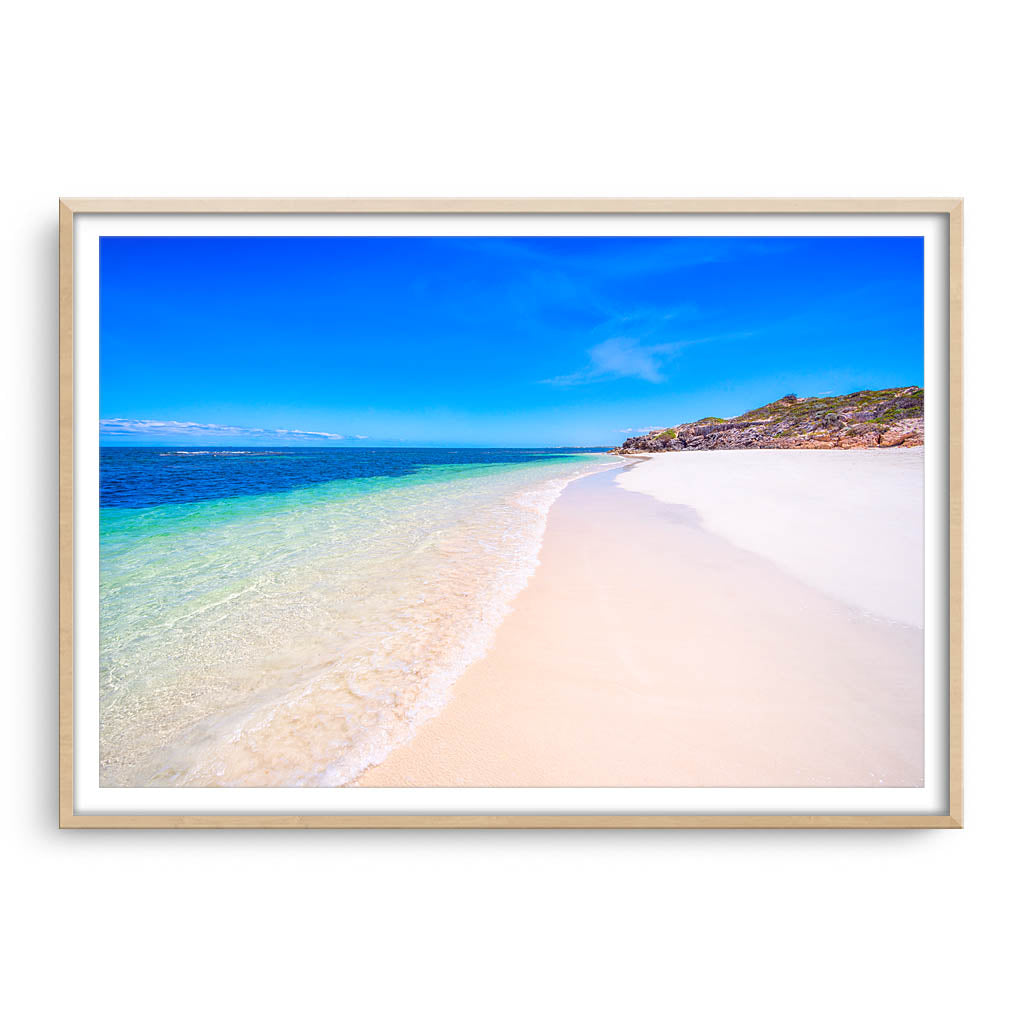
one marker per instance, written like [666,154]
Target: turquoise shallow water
[275,635]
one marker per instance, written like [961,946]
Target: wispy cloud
[621,357]
[207,431]
[639,430]
[616,358]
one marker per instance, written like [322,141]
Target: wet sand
[649,651]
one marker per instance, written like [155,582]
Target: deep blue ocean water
[145,477]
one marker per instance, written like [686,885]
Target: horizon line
[346,447]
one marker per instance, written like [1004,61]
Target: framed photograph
[510,513]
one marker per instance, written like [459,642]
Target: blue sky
[489,341]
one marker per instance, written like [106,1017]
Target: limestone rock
[864,419]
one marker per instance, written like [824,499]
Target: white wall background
[527,98]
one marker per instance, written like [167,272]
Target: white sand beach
[757,623]
[849,523]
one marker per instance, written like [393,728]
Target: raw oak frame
[951,207]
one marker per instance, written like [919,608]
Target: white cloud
[206,431]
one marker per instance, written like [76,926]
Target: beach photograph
[384,511]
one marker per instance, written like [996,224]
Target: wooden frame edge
[68,207]
[507,205]
[66,520]
[513,821]
[956,511]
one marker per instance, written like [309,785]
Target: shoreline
[617,666]
[380,598]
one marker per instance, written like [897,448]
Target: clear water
[288,618]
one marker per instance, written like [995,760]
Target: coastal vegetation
[893,417]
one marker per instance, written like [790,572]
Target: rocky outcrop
[865,419]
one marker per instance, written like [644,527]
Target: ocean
[287,617]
